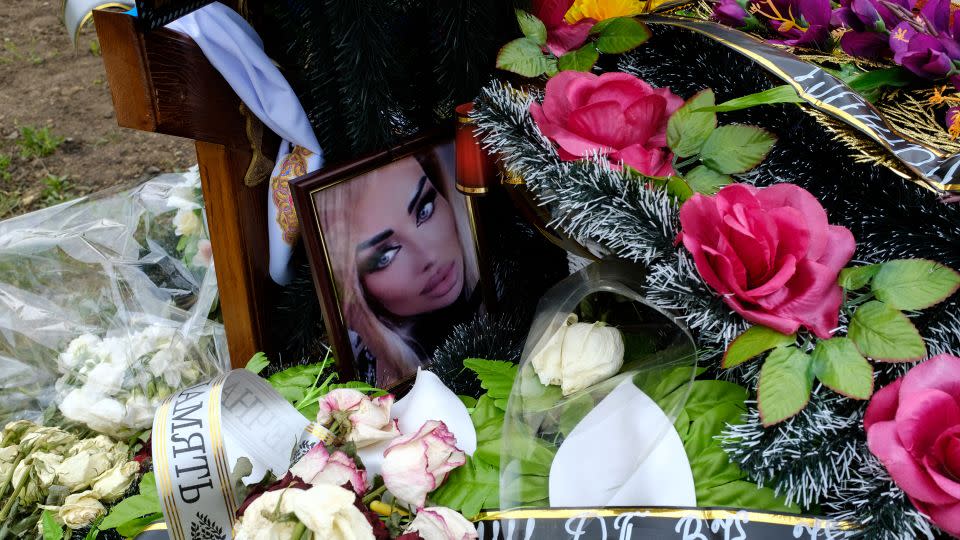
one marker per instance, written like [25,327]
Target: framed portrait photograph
[393,249]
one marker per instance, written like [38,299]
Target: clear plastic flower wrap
[106,304]
[603,377]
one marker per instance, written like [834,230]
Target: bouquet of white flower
[113,385]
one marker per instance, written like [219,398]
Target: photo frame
[396,256]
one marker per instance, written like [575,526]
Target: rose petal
[946,516]
[793,237]
[812,297]
[564,37]
[947,451]
[699,217]
[883,405]
[762,317]
[903,468]
[923,416]
[601,122]
[551,12]
[644,117]
[651,162]
[814,216]
[939,372]
[560,90]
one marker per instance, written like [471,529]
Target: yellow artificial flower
[599,10]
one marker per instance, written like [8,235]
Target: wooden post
[161,82]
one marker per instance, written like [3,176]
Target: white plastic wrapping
[611,441]
[105,304]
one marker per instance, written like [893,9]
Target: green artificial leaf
[912,284]
[496,377]
[880,78]
[777,94]
[523,57]
[857,277]
[532,27]
[736,148]
[621,34]
[840,367]
[134,527]
[700,436]
[885,334]
[135,507]
[706,395]
[294,383]
[468,401]
[51,529]
[581,59]
[470,488]
[754,341]
[786,380]
[689,127]
[533,455]
[703,179]
[257,363]
[678,187]
[95,529]
[529,489]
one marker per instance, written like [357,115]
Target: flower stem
[374,494]
[16,494]
[298,531]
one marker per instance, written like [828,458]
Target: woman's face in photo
[409,258]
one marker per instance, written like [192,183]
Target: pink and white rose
[319,466]
[368,418]
[417,463]
[441,523]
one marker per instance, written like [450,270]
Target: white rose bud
[592,353]
[112,484]
[79,470]
[441,523]
[187,223]
[579,355]
[80,510]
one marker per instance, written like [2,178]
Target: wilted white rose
[112,484]
[171,363]
[417,463]
[45,467]
[8,459]
[80,510]
[328,512]
[579,355]
[318,466]
[263,519]
[441,523]
[51,439]
[80,470]
[187,223]
[369,418]
[14,431]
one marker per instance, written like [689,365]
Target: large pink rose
[913,427]
[615,114]
[770,253]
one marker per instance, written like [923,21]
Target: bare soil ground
[54,97]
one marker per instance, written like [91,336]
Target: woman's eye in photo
[426,206]
[381,259]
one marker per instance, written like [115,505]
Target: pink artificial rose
[615,114]
[318,466]
[770,254]
[913,427]
[369,419]
[416,464]
[562,36]
[441,523]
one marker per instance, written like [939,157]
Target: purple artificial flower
[867,21]
[731,13]
[923,54]
[800,23]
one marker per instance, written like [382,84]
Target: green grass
[55,189]
[35,142]
[5,175]
[8,203]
